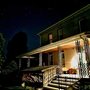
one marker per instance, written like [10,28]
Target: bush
[72,71]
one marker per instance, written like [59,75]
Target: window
[83,25]
[50,37]
[60,34]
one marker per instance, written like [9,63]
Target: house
[66,44]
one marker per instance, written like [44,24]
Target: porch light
[39,89]
[64,69]
[23,84]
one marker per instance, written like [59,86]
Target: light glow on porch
[74,61]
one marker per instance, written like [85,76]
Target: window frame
[50,37]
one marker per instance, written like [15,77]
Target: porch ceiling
[63,44]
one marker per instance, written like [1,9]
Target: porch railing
[39,76]
[48,75]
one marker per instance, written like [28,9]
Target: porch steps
[76,86]
[63,83]
[51,88]
[67,79]
[61,86]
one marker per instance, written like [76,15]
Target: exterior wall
[69,26]
[71,60]
[44,36]
[55,58]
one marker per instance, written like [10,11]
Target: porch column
[87,49]
[28,62]
[40,59]
[82,63]
[60,60]
[80,59]
[19,63]
[87,54]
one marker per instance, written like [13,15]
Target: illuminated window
[50,37]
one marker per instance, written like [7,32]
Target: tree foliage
[16,46]
[2,41]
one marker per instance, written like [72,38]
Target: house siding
[69,56]
[55,58]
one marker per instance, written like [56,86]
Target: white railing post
[60,61]
[40,59]
[28,62]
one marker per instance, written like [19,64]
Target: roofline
[63,41]
[69,16]
[56,44]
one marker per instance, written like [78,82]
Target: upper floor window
[60,34]
[83,25]
[50,37]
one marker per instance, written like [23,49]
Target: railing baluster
[48,75]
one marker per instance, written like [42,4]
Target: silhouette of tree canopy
[2,58]
[16,46]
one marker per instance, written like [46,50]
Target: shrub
[72,71]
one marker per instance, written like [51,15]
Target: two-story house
[66,43]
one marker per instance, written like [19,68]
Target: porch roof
[25,56]
[56,44]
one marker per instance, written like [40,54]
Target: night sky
[33,17]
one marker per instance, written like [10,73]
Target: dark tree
[16,46]
[2,58]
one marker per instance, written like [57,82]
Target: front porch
[70,53]
[46,78]
[71,57]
